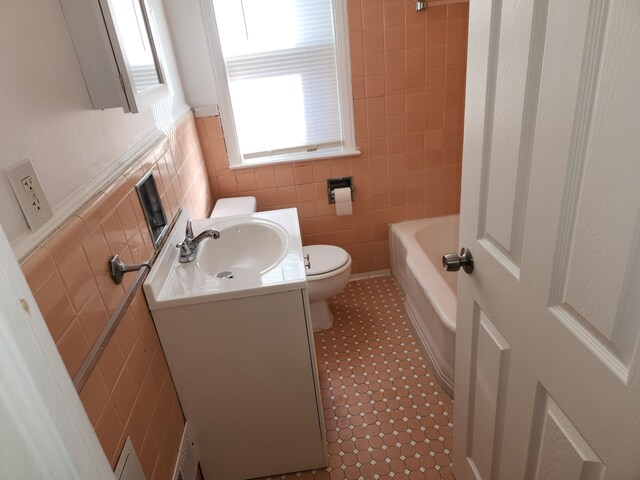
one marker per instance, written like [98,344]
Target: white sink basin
[249,248]
[255,254]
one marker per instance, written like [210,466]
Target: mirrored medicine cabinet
[117,47]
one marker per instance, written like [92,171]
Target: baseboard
[375,273]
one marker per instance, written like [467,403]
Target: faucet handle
[189,233]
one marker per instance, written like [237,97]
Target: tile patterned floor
[386,416]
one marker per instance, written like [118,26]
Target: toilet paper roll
[343,201]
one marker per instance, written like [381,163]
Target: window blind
[280,58]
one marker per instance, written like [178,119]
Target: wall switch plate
[28,191]
[128,467]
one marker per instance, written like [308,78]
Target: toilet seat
[326,261]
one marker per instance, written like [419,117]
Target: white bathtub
[417,247]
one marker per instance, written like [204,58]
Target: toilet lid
[325,258]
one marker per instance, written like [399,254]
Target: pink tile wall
[408,73]
[130,392]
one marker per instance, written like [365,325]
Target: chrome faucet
[189,246]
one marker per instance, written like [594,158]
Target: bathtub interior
[436,238]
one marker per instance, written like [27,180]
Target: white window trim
[343,61]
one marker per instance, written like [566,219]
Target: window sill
[295,158]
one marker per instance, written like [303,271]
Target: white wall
[46,115]
[192,51]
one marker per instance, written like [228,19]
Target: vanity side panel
[314,368]
[245,379]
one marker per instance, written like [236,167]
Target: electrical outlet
[27,184]
[28,191]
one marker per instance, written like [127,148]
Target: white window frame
[343,63]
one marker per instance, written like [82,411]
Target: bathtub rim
[444,301]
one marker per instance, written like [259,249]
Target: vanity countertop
[239,249]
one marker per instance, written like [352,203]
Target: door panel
[559,451]
[488,382]
[596,200]
[547,377]
[515,87]
[564,109]
[589,285]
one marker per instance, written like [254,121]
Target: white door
[547,360]
[44,430]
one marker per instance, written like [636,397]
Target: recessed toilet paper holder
[333,183]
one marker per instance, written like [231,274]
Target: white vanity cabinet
[240,345]
[245,370]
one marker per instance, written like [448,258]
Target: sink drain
[225,274]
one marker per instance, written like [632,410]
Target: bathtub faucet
[189,246]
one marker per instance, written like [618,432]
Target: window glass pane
[283,79]
[256,26]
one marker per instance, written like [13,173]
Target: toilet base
[321,316]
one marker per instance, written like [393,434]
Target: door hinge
[122,82]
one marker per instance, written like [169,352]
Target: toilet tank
[227,207]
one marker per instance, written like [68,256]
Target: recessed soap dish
[152,207]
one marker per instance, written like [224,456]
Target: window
[285,92]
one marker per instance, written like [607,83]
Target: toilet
[328,272]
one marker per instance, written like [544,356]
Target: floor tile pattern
[386,416]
